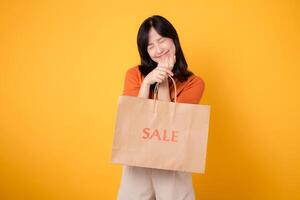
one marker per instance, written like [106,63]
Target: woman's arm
[160,75]
[164,91]
[144,90]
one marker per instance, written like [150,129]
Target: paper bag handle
[156,89]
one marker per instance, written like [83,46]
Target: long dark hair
[164,28]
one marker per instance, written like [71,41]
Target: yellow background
[62,70]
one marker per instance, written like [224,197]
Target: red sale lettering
[161,135]
[155,134]
[165,136]
[146,133]
[174,136]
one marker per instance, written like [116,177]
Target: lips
[163,54]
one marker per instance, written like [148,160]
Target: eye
[161,40]
[150,47]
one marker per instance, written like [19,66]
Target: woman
[161,56]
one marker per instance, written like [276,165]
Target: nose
[158,50]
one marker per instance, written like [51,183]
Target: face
[159,47]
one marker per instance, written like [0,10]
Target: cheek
[151,54]
[170,45]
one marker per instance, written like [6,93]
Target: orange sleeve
[131,83]
[192,93]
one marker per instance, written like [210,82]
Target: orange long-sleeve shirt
[189,91]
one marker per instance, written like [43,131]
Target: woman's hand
[168,62]
[161,72]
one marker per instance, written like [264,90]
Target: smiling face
[159,47]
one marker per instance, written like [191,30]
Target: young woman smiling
[161,56]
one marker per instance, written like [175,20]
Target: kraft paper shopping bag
[160,134]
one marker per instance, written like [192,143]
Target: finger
[170,72]
[161,61]
[164,63]
[166,71]
[169,63]
[162,68]
[163,73]
[159,79]
[162,77]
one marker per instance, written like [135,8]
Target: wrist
[145,83]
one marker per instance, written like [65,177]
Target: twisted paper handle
[156,90]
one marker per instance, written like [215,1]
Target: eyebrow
[156,40]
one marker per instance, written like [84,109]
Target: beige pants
[140,183]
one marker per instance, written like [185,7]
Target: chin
[156,61]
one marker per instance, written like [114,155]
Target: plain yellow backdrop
[62,70]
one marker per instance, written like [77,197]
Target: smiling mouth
[163,54]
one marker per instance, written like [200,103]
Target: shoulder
[195,80]
[191,90]
[133,71]
[133,76]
